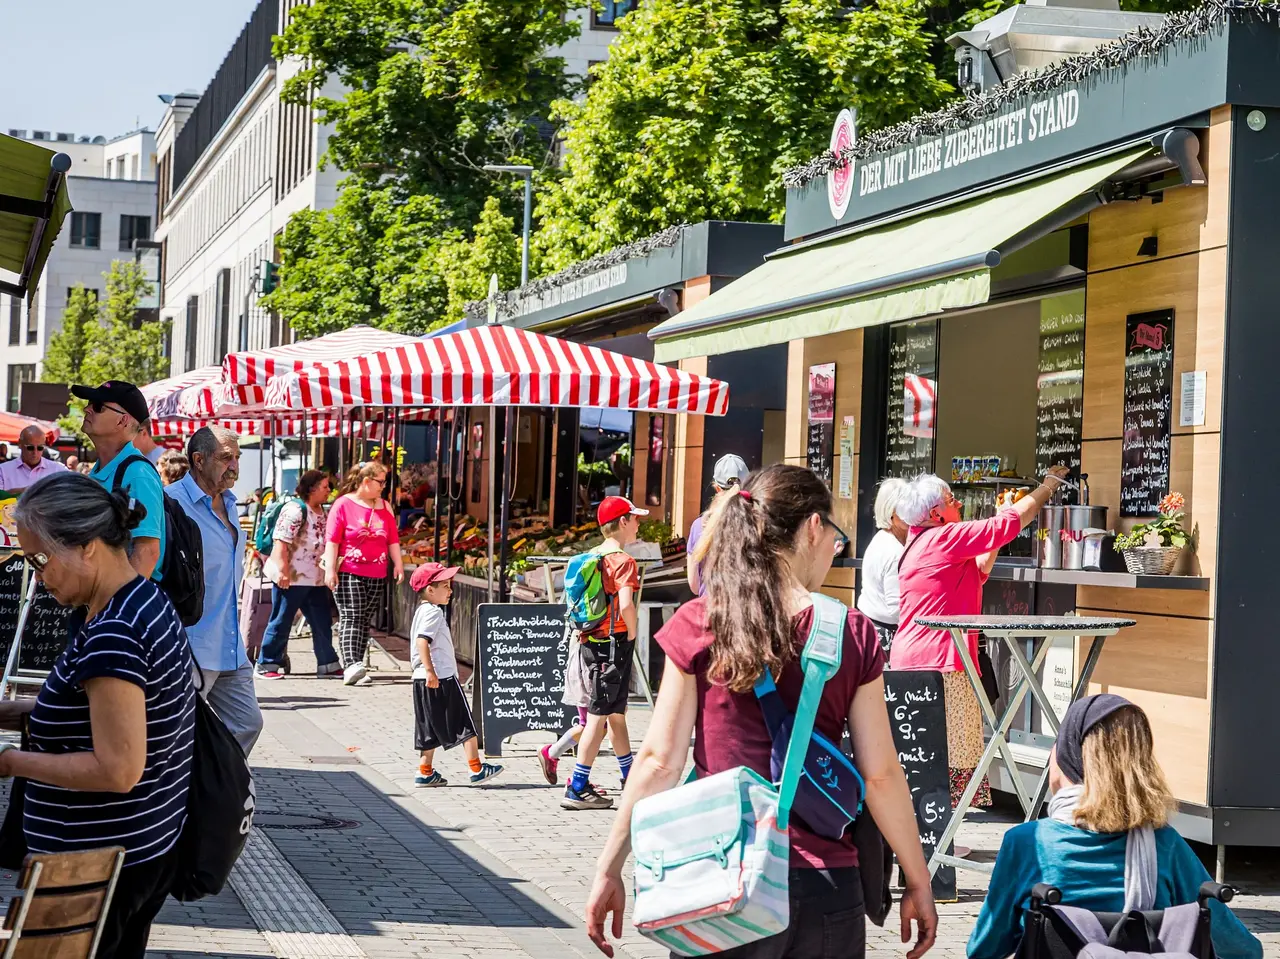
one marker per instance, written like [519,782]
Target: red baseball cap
[616,507]
[429,573]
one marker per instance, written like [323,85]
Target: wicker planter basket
[1152,560]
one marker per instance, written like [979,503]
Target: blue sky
[95,66]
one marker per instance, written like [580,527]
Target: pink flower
[1172,504]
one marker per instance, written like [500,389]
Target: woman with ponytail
[107,747]
[765,547]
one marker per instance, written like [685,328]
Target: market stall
[1072,266]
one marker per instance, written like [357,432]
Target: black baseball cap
[124,395]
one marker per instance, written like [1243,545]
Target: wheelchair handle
[1215,890]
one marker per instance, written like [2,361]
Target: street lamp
[520,169]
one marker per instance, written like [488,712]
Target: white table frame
[999,743]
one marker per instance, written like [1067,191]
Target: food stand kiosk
[1076,265]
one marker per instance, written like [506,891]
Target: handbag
[220,805]
[713,855]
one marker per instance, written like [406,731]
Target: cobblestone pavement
[349,860]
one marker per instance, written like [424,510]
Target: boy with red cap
[441,716]
[607,653]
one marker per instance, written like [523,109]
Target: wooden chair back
[61,904]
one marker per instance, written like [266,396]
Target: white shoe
[352,675]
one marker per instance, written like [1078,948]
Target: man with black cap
[115,413]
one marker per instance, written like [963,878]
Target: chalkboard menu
[918,717]
[1148,411]
[521,649]
[822,419]
[1060,387]
[913,363]
[45,633]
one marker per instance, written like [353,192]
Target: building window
[86,230]
[33,322]
[19,373]
[193,324]
[133,228]
[222,312]
[610,12]
[15,321]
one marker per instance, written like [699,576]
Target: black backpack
[220,807]
[182,571]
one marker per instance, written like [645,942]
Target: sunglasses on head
[38,561]
[99,405]
[842,538]
[32,449]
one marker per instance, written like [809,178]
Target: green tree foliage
[704,103]
[69,347]
[468,264]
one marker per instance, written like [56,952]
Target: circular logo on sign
[840,179]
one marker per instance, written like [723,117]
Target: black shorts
[441,716]
[608,671]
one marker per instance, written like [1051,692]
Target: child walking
[441,716]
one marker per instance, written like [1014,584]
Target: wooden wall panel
[686,497]
[845,350]
[1162,664]
[1192,603]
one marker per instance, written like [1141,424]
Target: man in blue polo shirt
[115,413]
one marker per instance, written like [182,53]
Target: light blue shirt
[143,484]
[215,639]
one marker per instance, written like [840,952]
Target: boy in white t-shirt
[441,716]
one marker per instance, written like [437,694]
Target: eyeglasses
[38,561]
[842,538]
[99,405]
[32,449]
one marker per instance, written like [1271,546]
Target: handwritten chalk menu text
[45,634]
[521,649]
[918,718]
[913,365]
[822,419]
[1060,385]
[1148,412]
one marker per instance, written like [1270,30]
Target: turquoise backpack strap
[820,660]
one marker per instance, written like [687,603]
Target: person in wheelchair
[1106,845]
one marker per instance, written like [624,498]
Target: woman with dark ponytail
[108,748]
[765,548]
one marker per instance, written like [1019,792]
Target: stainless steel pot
[1053,520]
[1080,520]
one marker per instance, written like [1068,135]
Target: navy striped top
[138,638]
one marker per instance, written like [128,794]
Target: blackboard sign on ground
[918,718]
[520,650]
[1148,412]
[45,634]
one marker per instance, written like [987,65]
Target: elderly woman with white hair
[943,568]
[878,581]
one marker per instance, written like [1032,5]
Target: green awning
[941,261]
[33,204]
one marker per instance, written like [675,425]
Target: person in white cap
[730,472]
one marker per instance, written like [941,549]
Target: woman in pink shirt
[360,536]
[941,573]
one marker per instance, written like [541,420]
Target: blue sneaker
[435,779]
[487,771]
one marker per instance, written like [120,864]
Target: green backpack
[264,538]
[584,590]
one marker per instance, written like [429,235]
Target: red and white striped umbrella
[281,424]
[499,366]
[244,377]
[164,396]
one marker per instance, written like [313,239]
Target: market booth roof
[12,425]
[499,366]
[33,204]
[898,271]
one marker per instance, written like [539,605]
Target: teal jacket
[1089,869]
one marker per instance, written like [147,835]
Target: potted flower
[1154,547]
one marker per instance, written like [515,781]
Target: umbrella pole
[508,462]
[456,458]
[342,442]
[493,452]
[440,476]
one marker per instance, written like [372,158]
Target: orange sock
[424,768]
[474,764]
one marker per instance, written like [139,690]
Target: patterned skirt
[964,737]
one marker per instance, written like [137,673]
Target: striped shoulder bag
[713,855]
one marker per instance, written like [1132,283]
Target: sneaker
[333,669]
[271,672]
[487,772]
[588,798]
[435,779]
[354,674]
[599,790]
[548,765]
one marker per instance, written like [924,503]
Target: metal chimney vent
[1036,34]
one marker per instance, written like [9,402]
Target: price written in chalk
[522,651]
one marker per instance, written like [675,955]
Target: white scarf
[1140,868]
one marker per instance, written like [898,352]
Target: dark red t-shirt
[730,730]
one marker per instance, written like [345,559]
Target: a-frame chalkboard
[44,632]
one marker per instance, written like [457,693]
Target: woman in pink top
[361,535]
[941,573]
